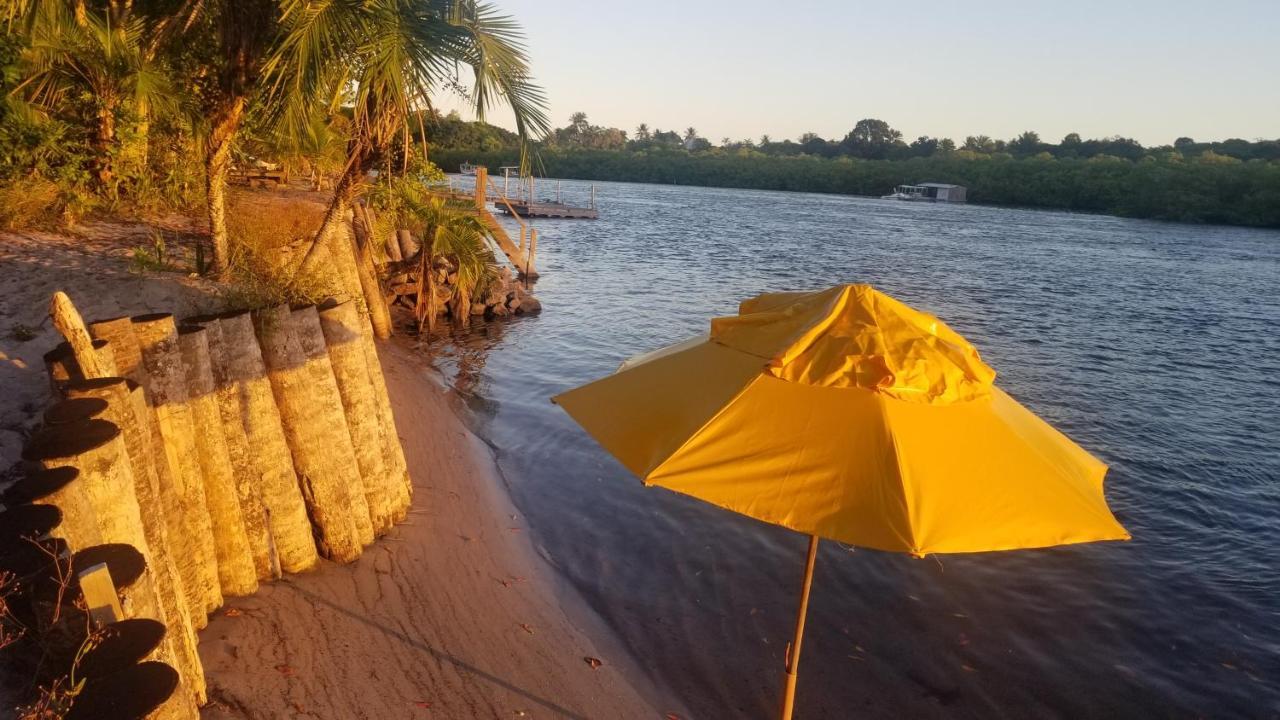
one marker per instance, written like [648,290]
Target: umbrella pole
[793,652]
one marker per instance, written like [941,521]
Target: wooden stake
[190,528]
[343,337]
[529,270]
[315,428]
[126,407]
[68,322]
[379,314]
[124,347]
[274,474]
[793,651]
[61,489]
[100,594]
[239,452]
[237,574]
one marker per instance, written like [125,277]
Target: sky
[1153,71]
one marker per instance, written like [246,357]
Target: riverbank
[1224,191]
[454,614]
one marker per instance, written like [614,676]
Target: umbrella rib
[901,474]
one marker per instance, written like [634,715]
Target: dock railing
[520,256]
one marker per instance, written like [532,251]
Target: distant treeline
[1232,182]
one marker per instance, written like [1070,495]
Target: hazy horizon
[1150,71]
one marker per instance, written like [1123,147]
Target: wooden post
[100,594]
[58,365]
[393,247]
[316,430]
[379,314]
[593,196]
[392,451]
[305,323]
[793,650]
[124,347]
[149,690]
[96,449]
[529,270]
[68,322]
[138,598]
[190,529]
[239,453]
[62,366]
[482,177]
[126,407]
[59,488]
[557,191]
[237,575]
[340,323]
[274,474]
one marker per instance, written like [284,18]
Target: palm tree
[239,35]
[75,52]
[642,131]
[690,134]
[382,59]
[455,236]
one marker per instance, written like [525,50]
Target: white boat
[928,192]
[906,192]
[467,169]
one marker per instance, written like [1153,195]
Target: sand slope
[453,615]
[428,623]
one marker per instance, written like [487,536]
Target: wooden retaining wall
[187,464]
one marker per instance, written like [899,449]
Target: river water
[1155,346]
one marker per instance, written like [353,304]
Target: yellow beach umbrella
[848,415]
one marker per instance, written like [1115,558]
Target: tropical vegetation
[128,105]
[1230,182]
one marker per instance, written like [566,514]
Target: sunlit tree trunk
[329,234]
[106,137]
[217,167]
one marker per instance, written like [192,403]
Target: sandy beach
[454,614]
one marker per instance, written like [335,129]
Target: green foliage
[88,119]
[450,231]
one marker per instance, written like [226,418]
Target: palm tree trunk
[217,167]
[105,142]
[344,191]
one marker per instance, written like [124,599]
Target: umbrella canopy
[846,414]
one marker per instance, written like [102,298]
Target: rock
[404,288]
[499,310]
[529,306]
[477,308]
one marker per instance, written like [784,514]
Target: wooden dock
[521,256]
[546,209]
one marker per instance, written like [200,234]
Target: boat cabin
[929,192]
